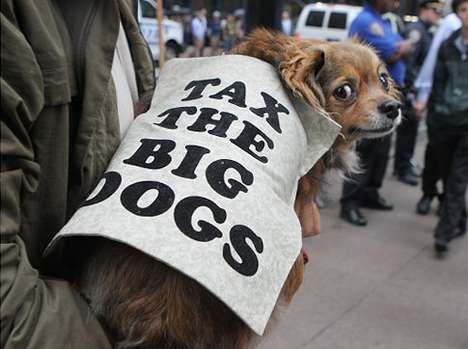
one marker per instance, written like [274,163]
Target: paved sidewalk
[379,286]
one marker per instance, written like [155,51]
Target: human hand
[419,109]
[306,209]
[405,47]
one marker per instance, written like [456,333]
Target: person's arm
[423,83]
[389,50]
[22,100]
[403,49]
[440,77]
[35,312]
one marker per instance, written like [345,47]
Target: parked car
[326,21]
[173,32]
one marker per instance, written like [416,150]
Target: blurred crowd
[212,34]
[209,34]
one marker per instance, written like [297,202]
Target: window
[315,18]
[337,20]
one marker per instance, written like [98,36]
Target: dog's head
[345,79]
[352,84]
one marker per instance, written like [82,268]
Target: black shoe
[353,216]
[441,245]
[408,178]
[377,204]
[424,205]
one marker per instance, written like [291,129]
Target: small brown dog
[144,303]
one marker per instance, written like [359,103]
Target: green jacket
[449,97]
[59,129]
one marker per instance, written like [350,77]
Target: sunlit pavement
[379,286]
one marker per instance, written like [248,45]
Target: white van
[326,21]
[173,32]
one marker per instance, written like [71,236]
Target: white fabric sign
[205,181]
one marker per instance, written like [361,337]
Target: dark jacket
[449,97]
[59,129]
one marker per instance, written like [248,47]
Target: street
[379,286]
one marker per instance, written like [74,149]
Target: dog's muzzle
[390,108]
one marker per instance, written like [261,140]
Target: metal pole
[160,16]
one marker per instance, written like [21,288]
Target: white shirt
[123,75]
[199,27]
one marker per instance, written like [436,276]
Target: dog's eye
[384,80]
[344,92]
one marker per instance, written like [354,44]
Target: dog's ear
[265,45]
[298,68]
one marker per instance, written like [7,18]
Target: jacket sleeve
[385,45]
[35,312]
[440,77]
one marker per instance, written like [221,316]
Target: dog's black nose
[390,108]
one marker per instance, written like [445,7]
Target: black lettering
[247,138]
[236,91]
[132,194]
[190,161]
[205,118]
[272,109]
[152,154]
[239,235]
[183,214]
[112,182]
[198,88]
[173,115]
[216,171]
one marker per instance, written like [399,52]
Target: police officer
[363,189]
[419,33]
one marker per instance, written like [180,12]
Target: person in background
[419,33]
[363,189]
[62,120]
[240,26]
[187,25]
[229,32]
[199,31]
[286,23]
[449,103]
[215,32]
[423,86]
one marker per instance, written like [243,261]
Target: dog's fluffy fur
[145,304]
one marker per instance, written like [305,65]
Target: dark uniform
[362,190]
[418,32]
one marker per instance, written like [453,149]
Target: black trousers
[452,157]
[431,173]
[406,135]
[374,154]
